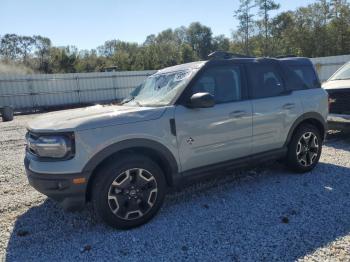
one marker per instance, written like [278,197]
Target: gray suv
[186,122]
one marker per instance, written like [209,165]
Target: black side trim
[206,171]
[172,126]
[307,116]
[130,144]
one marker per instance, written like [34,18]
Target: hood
[93,117]
[336,84]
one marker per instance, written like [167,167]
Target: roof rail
[226,55]
[285,56]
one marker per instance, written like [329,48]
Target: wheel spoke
[122,181]
[314,143]
[143,178]
[308,159]
[303,160]
[124,205]
[133,214]
[312,157]
[116,203]
[299,148]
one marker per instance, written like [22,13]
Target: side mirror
[201,100]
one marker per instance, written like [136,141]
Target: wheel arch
[313,118]
[156,151]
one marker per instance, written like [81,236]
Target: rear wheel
[129,192]
[305,149]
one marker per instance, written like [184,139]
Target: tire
[125,197]
[7,114]
[304,149]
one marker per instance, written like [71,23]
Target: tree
[150,39]
[264,7]
[187,54]
[26,44]
[221,42]
[340,13]
[318,29]
[246,22]
[9,47]
[180,35]
[283,33]
[200,38]
[108,48]
[43,45]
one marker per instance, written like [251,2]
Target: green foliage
[265,7]
[319,29]
[246,24]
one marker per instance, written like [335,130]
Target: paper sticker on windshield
[182,75]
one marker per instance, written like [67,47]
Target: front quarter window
[161,89]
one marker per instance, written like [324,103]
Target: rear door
[305,83]
[275,108]
[209,136]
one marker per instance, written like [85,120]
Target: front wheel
[305,149]
[129,192]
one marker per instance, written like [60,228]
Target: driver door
[209,136]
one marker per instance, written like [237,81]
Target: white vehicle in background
[338,88]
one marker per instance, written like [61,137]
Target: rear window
[306,75]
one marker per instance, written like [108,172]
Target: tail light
[330,102]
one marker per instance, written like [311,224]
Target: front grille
[339,101]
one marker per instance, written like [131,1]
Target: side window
[265,80]
[306,76]
[223,83]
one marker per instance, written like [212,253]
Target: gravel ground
[262,214]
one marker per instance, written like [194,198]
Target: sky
[89,23]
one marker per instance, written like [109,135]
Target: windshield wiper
[131,99]
[127,100]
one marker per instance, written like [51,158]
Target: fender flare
[304,117]
[108,151]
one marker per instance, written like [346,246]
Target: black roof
[221,57]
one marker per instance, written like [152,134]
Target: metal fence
[41,91]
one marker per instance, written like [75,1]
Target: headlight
[51,146]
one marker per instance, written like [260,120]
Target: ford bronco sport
[185,122]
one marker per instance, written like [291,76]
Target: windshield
[342,74]
[161,89]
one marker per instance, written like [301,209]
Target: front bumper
[59,187]
[338,121]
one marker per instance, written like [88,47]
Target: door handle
[238,114]
[289,106]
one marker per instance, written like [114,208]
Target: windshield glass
[161,89]
[342,74]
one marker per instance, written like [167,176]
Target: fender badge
[190,140]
